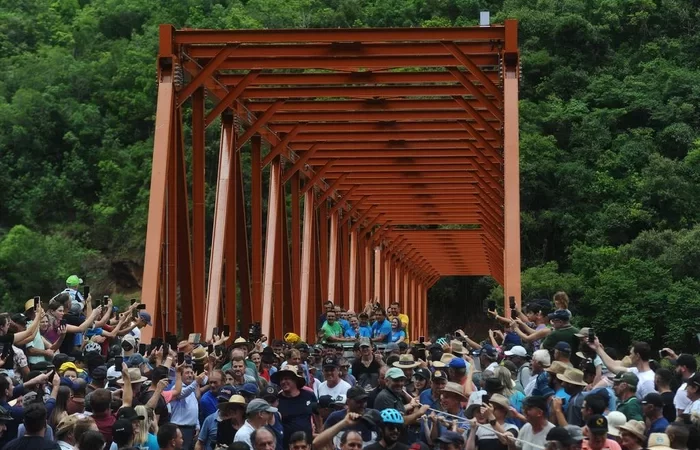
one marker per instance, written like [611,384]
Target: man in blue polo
[381,328]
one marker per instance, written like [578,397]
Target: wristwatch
[492,422]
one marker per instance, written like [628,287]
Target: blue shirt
[658,426]
[277,429]
[542,386]
[207,434]
[396,336]
[184,410]
[207,405]
[513,338]
[345,324]
[381,328]
[426,398]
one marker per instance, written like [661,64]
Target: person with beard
[366,368]
[220,428]
[431,397]
[391,428]
[356,406]
[663,378]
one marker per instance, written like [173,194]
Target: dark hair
[91,439]
[344,436]
[5,384]
[100,400]
[679,434]
[254,435]
[240,445]
[61,406]
[380,310]
[79,387]
[34,418]
[665,376]
[363,316]
[296,437]
[159,373]
[596,404]
[166,433]
[643,350]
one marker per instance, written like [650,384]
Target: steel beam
[271,238]
[307,243]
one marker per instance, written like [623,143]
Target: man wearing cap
[562,330]
[640,354]
[356,402]
[562,353]
[366,369]
[333,385]
[534,433]
[451,440]
[221,427]
[685,367]
[431,397]
[573,383]
[143,320]
[625,387]
[488,356]
[653,409]
[518,355]
[562,436]
[597,435]
[73,282]
[258,414]
[461,374]
[392,395]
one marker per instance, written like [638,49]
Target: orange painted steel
[385,136]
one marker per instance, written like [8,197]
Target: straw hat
[235,400]
[406,362]
[241,341]
[659,441]
[615,420]
[572,376]
[199,354]
[288,370]
[134,376]
[500,400]
[456,389]
[444,361]
[636,428]
[457,347]
[557,367]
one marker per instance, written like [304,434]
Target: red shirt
[104,423]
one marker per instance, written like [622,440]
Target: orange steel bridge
[392,158]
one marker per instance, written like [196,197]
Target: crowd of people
[77,376]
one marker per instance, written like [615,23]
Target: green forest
[610,149]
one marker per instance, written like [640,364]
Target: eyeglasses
[393,427]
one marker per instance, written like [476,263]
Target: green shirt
[631,409]
[334,330]
[566,334]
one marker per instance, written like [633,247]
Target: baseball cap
[516,350]
[391,347]
[249,388]
[597,424]
[451,437]
[560,434]
[129,339]
[122,430]
[457,363]
[5,415]
[356,393]
[563,346]
[330,361]
[325,401]
[364,342]
[146,317]
[225,393]
[654,399]
[128,413]
[99,373]
[576,432]
[422,372]
[60,358]
[259,405]
[559,314]
[685,359]
[394,374]
[626,377]
[270,393]
[66,424]
[74,280]
[488,350]
[43,366]
[19,319]
[439,375]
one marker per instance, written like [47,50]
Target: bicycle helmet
[391,416]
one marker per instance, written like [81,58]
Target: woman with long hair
[514,396]
[60,410]
[145,436]
[397,333]
[56,310]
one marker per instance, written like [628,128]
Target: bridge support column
[306,255]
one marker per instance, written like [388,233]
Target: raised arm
[612,365]
[23,337]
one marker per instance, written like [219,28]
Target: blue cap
[145,317]
[457,363]
[249,388]
[563,346]
[451,437]
[489,350]
[560,314]
[227,391]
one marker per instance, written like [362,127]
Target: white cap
[542,356]
[516,351]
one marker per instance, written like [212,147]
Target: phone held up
[591,335]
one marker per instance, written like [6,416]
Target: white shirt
[527,440]
[646,382]
[136,332]
[338,392]
[681,400]
[693,409]
[243,434]
[491,367]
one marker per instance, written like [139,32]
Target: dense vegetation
[610,148]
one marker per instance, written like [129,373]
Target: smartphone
[63,322]
[210,349]
[118,361]
[216,331]
[492,305]
[141,306]
[86,291]
[511,299]
[663,353]
[166,349]
[133,301]
[226,331]
[172,340]
[156,342]
[421,339]
[142,349]
[37,300]
[591,335]
[194,338]
[51,374]
[180,357]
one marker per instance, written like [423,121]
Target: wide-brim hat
[500,400]
[199,354]
[635,427]
[406,362]
[242,342]
[444,360]
[572,376]
[134,376]
[659,441]
[456,347]
[456,389]
[235,400]
[557,367]
[288,370]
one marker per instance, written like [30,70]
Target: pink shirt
[609,444]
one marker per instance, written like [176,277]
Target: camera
[254,331]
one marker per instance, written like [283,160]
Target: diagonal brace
[331,189]
[279,148]
[317,177]
[474,69]
[353,209]
[231,96]
[299,163]
[476,92]
[206,72]
[258,124]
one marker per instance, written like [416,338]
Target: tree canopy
[610,152]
